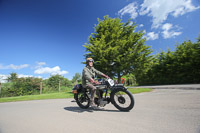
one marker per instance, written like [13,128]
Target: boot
[92,105]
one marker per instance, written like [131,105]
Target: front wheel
[122,99]
[82,100]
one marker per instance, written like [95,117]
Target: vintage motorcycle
[107,91]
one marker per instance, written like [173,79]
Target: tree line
[181,66]
[31,85]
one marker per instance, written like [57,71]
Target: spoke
[82,100]
[122,99]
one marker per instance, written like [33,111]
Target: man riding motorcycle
[88,75]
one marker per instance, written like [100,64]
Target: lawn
[60,95]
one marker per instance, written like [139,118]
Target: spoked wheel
[122,99]
[82,100]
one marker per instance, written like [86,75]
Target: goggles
[90,60]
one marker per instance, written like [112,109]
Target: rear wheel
[122,99]
[82,100]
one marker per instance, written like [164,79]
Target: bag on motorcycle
[76,88]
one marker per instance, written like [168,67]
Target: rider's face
[90,63]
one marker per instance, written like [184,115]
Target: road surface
[159,111]
[182,86]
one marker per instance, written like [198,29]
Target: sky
[40,38]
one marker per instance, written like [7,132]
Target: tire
[82,100]
[120,97]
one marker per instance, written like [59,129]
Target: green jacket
[88,73]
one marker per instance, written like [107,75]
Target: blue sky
[44,37]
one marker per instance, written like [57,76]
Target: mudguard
[116,86]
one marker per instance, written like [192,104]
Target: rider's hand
[97,83]
[92,80]
[106,76]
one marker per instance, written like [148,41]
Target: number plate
[111,82]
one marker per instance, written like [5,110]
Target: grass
[60,95]
[139,90]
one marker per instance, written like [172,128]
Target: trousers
[93,90]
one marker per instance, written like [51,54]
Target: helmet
[89,60]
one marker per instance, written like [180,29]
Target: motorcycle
[108,92]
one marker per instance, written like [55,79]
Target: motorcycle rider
[88,74]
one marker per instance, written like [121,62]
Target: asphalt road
[159,111]
[182,86]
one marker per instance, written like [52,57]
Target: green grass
[139,90]
[60,95]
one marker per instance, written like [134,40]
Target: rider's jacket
[88,73]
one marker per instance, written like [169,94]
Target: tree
[175,67]
[12,77]
[117,48]
[76,77]
[24,86]
[129,79]
[53,81]
[187,56]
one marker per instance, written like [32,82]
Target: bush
[175,67]
[21,87]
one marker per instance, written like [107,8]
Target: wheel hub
[121,100]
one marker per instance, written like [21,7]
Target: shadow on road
[80,110]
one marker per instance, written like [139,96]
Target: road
[159,111]
[182,86]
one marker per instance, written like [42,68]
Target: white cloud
[129,9]
[41,63]
[47,70]
[168,31]
[24,76]
[141,25]
[3,78]
[152,36]
[167,26]
[160,9]
[11,66]
[184,8]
